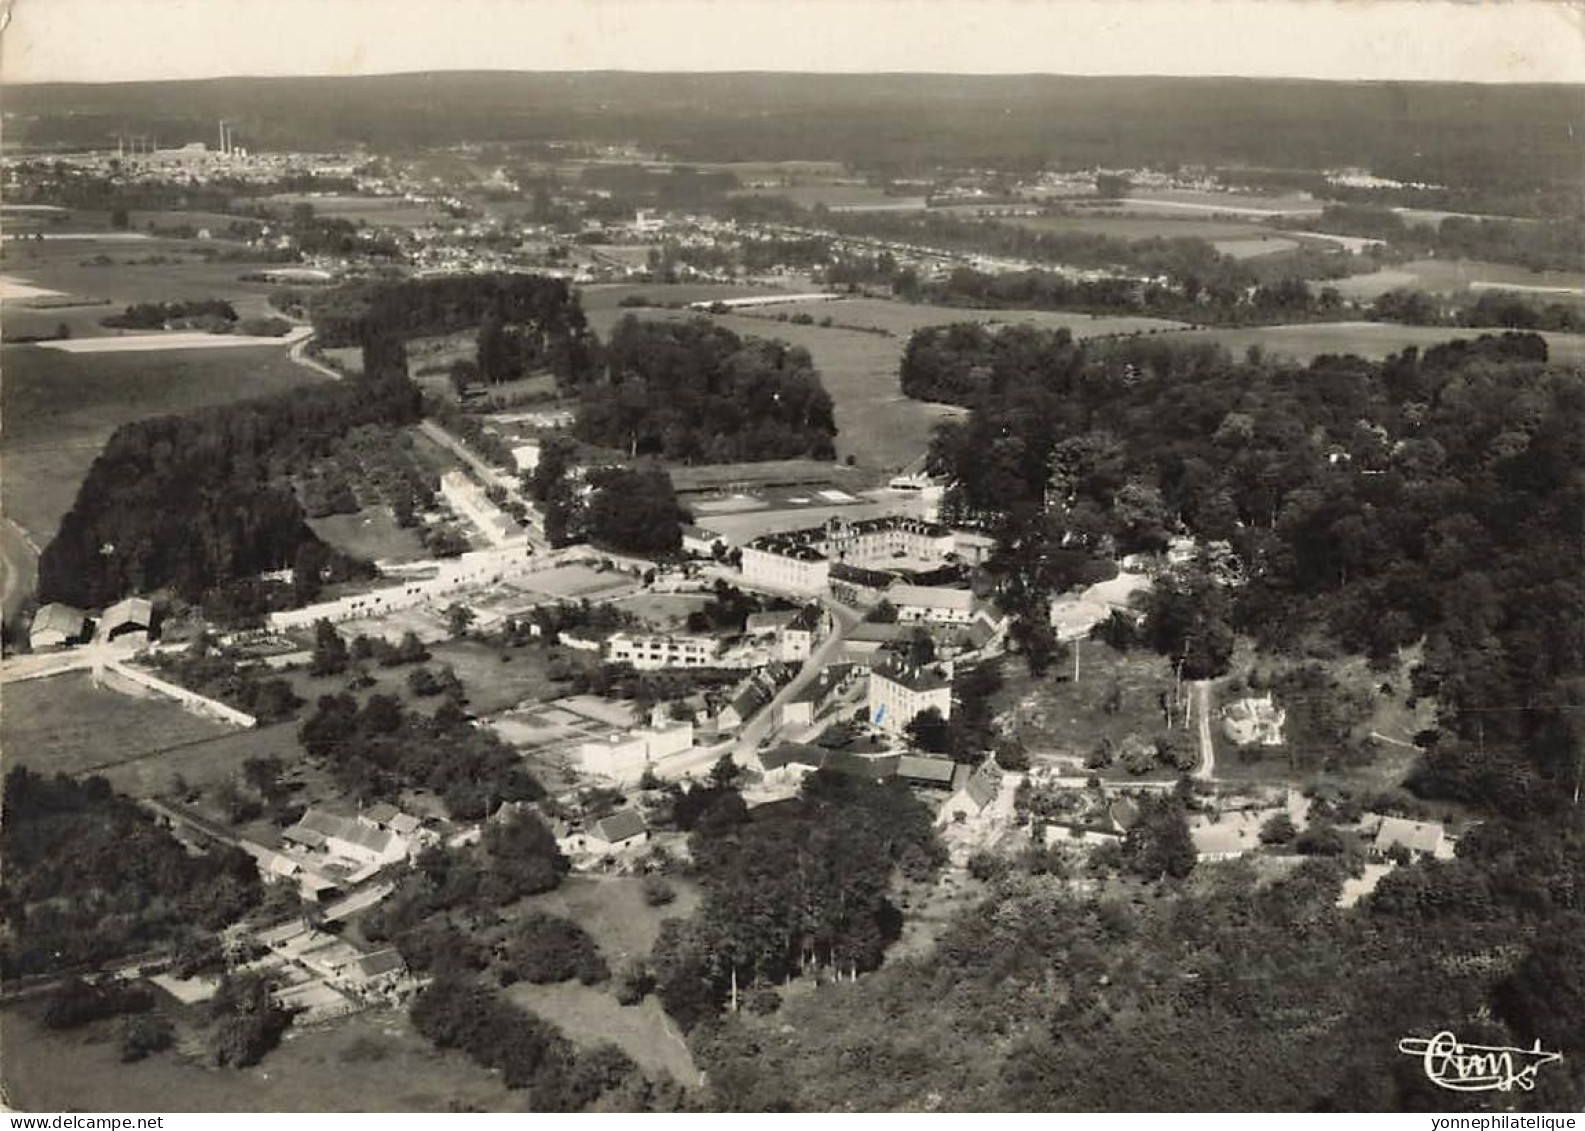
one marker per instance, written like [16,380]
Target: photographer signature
[1477,1068]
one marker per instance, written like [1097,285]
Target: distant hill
[1444,133]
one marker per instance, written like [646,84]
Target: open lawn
[206,764]
[372,534]
[64,724]
[491,684]
[613,911]
[59,410]
[591,1014]
[1374,340]
[372,1061]
[662,611]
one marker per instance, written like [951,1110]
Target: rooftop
[620,826]
[915,677]
[930,597]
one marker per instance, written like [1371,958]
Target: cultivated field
[59,410]
[840,197]
[1191,201]
[1373,340]
[372,1061]
[1458,276]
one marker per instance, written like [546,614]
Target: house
[934,603]
[971,799]
[379,968]
[797,638]
[56,625]
[1419,838]
[1226,836]
[750,696]
[899,691]
[614,756]
[1253,721]
[619,830]
[784,563]
[132,615]
[347,837]
[933,772]
[791,761]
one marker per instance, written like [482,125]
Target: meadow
[60,408]
[372,1061]
[1373,340]
[64,724]
[1458,276]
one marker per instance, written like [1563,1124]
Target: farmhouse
[55,625]
[934,772]
[620,830]
[899,691]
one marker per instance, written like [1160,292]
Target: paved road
[299,354]
[1206,770]
[760,725]
[19,566]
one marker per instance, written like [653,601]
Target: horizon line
[760,73]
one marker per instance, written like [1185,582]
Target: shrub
[657,892]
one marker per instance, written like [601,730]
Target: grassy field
[839,197]
[613,911]
[492,685]
[1373,340]
[64,724]
[1456,276]
[59,410]
[372,1061]
[372,533]
[64,266]
[590,1014]
[663,611]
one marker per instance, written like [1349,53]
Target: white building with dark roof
[787,564]
[899,692]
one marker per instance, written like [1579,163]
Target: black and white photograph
[792,556]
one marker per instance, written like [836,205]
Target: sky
[1407,40]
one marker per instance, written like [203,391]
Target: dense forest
[125,885]
[694,392]
[527,322]
[1432,497]
[789,887]
[194,501]
[1225,992]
